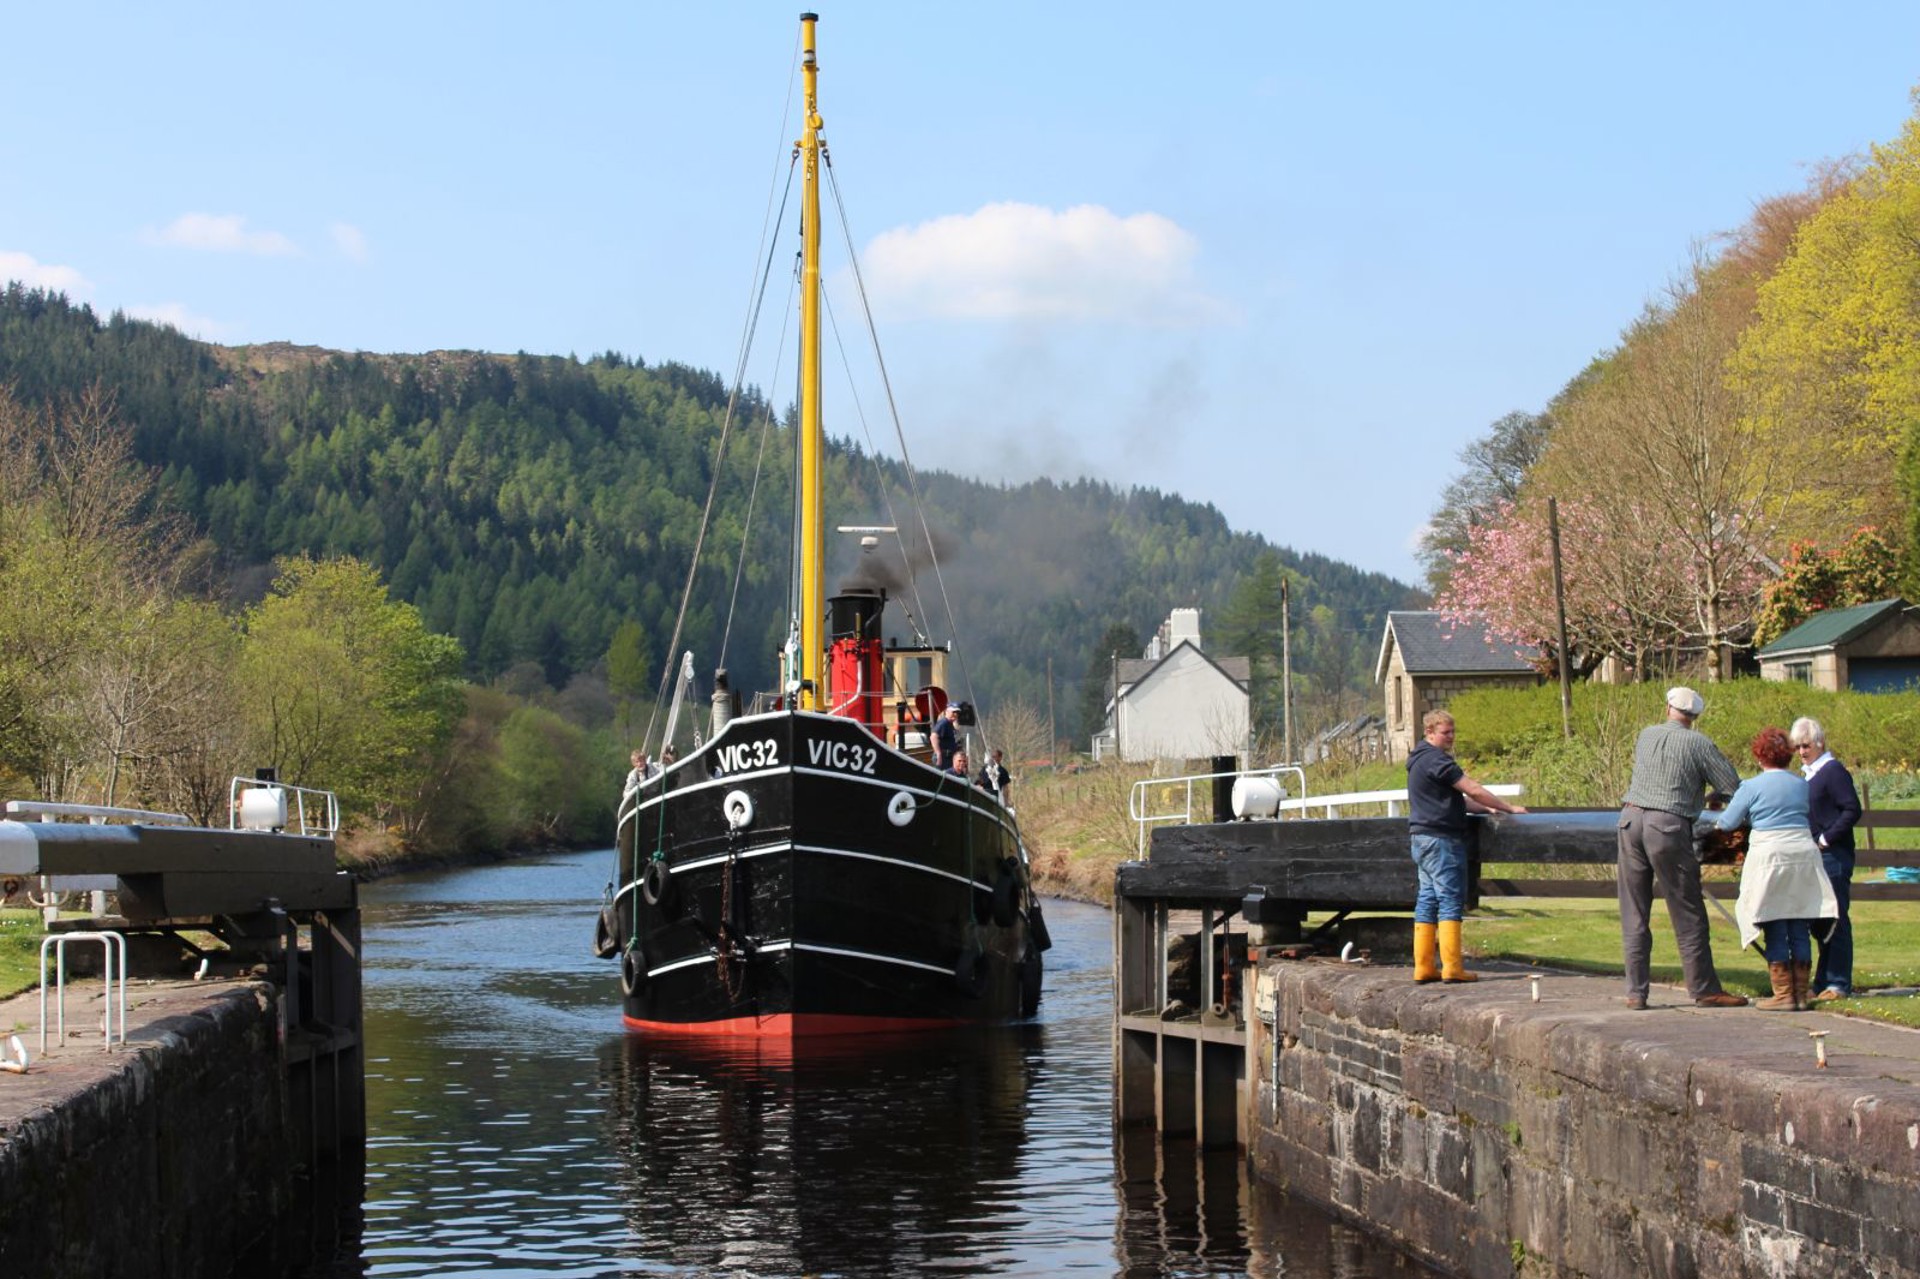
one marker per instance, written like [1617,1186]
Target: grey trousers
[1659,845]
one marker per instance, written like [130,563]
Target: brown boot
[1452,967]
[1783,1000]
[1426,953]
[1802,980]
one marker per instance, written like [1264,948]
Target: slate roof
[1834,627]
[1134,669]
[1432,644]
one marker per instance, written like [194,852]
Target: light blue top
[1774,800]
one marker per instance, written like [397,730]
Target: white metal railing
[1395,800]
[114,973]
[253,804]
[1141,796]
[97,813]
[1302,804]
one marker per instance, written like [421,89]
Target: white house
[1176,702]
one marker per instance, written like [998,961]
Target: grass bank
[1078,830]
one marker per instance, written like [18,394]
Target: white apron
[1782,878]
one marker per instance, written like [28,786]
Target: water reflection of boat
[810,869]
[885,1155]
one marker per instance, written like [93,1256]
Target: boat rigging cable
[748,329]
[893,409]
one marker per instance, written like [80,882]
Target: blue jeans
[1789,941]
[1442,863]
[1835,971]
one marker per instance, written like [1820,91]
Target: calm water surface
[515,1129]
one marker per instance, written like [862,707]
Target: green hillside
[530,505]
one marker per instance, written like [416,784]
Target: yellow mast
[813,605]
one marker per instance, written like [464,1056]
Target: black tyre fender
[970,973]
[1037,927]
[1006,893]
[656,885]
[606,933]
[633,970]
[1030,981]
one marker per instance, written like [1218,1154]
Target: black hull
[811,880]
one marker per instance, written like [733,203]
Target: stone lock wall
[165,1158]
[1493,1136]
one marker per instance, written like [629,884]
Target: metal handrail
[298,821]
[113,974]
[95,812]
[1143,820]
[1393,799]
[1326,805]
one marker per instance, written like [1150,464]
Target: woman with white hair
[1833,806]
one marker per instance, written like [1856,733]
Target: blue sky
[1285,260]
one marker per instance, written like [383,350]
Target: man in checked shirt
[1673,768]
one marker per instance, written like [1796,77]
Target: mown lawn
[20,934]
[1584,936]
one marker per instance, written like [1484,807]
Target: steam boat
[808,869]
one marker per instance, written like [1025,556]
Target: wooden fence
[1868,858]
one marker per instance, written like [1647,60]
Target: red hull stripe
[790,1026]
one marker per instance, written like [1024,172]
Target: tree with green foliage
[629,671]
[1250,627]
[348,689]
[1858,571]
[1119,640]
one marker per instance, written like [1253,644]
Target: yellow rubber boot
[1426,953]
[1452,967]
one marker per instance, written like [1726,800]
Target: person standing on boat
[994,776]
[958,768]
[636,774]
[946,737]
[1439,796]
[1673,765]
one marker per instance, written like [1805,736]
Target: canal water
[515,1129]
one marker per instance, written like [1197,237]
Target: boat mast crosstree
[814,868]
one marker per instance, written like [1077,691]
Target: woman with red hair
[1784,891]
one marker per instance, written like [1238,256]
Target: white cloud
[173,313]
[350,240]
[220,233]
[41,275]
[1021,261]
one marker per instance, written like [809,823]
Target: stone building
[1426,660]
[1869,648]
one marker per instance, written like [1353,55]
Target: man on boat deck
[993,774]
[946,737]
[640,771]
[958,768]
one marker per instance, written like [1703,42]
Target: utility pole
[1053,739]
[1286,675]
[1560,612]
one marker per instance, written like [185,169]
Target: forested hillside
[529,506]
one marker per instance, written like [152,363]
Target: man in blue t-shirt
[1439,797]
[946,738]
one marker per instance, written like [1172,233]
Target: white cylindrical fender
[902,807]
[737,808]
[1257,796]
